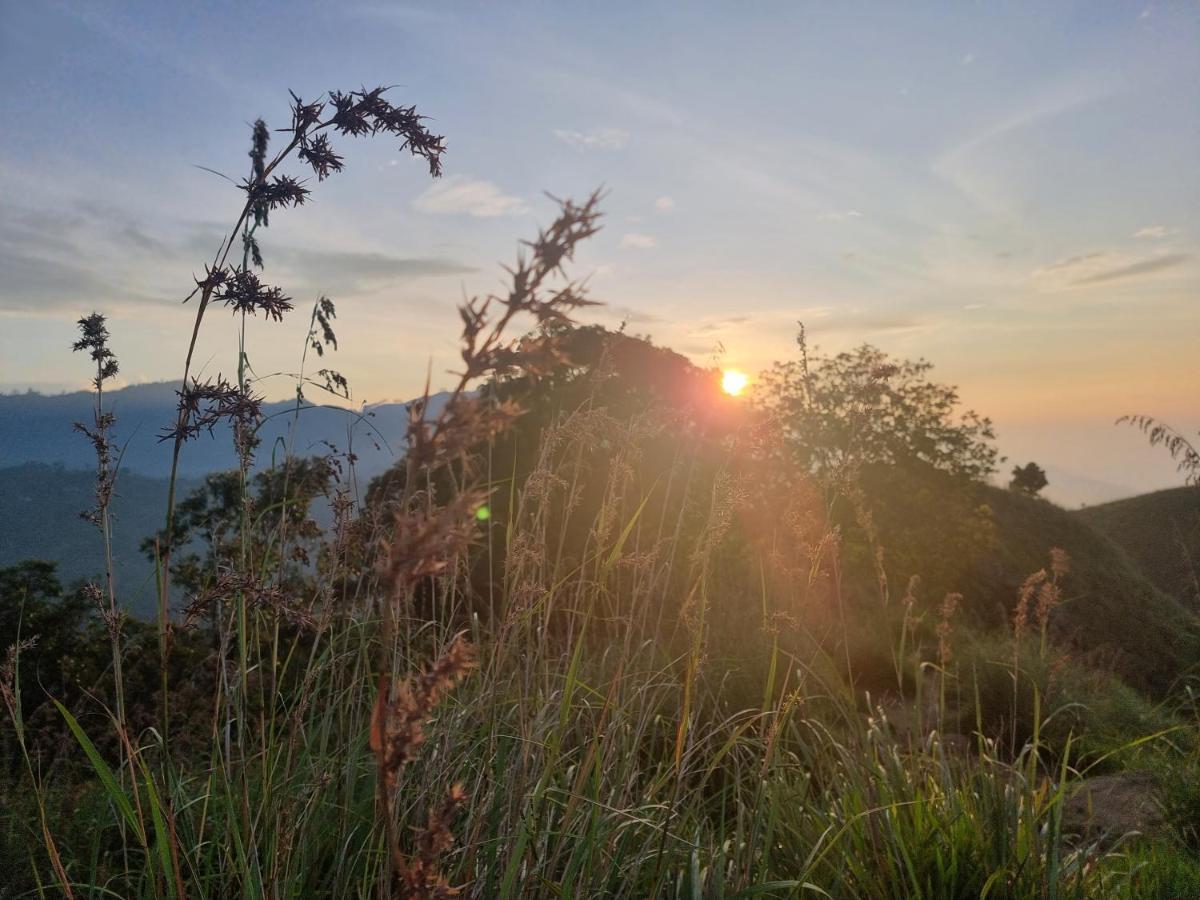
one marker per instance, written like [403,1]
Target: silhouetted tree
[1028,479]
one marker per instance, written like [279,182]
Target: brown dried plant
[94,339]
[397,734]
[945,626]
[1039,595]
[426,536]
[420,877]
[399,717]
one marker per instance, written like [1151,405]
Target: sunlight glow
[733,382]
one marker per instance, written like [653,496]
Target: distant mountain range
[38,428]
[1071,490]
[47,471]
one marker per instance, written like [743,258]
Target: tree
[862,407]
[279,503]
[1028,479]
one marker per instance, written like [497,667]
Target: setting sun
[734,382]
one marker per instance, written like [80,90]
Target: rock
[1112,805]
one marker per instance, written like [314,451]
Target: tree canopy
[1028,479]
[864,407]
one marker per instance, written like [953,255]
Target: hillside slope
[1161,533]
[983,541]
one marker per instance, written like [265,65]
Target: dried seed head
[259,596]
[398,724]
[242,290]
[94,338]
[945,628]
[281,190]
[1060,563]
[1025,597]
[203,405]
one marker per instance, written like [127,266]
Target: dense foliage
[861,406]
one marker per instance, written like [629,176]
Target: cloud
[975,164]
[1144,267]
[56,261]
[717,325]
[664,204]
[38,284]
[472,196]
[637,241]
[596,139]
[1153,231]
[968,58]
[349,272]
[1101,267]
[862,323]
[66,260]
[1072,262]
[630,315]
[839,215]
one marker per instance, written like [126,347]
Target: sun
[733,382]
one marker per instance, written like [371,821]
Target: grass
[647,671]
[1161,533]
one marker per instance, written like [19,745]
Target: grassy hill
[1161,533]
[1110,603]
[983,541]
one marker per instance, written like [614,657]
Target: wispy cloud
[664,204]
[595,139]
[1153,231]
[862,322]
[59,260]
[634,240]
[41,285]
[347,272]
[973,165]
[841,215]
[1143,267]
[1102,267]
[968,58]
[716,326]
[96,255]
[631,315]
[1072,263]
[458,194]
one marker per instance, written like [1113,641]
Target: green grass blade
[118,796]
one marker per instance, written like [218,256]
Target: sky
[1009,191]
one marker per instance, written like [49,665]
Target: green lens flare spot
[483,513]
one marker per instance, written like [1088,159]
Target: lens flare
[733,382]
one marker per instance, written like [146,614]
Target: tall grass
[628,672]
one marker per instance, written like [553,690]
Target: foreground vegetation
[603,632]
